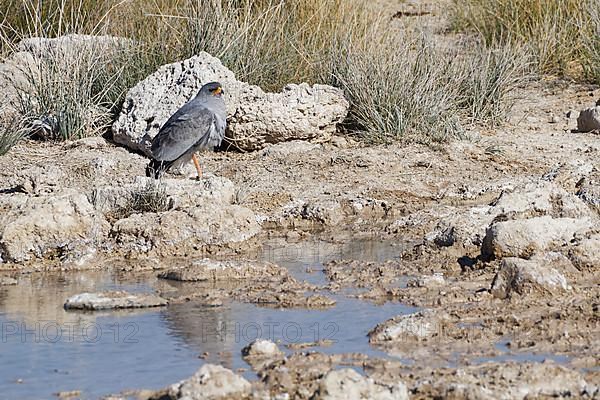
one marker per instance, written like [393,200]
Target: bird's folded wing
[186,128]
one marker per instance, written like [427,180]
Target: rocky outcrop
[522,219]
[191,228]
[255,118]
[540,274]
[461,228]
[525,237]
[113,301]
[176,215]
[178,194]
[346,384]
[510,380]
[588,190]
[585,252]
[539,198]
[535,218]
[211,382]
[36,226]
[589,120]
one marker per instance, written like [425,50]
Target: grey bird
[199,124]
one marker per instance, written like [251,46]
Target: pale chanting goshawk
[199,124]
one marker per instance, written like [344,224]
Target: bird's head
[211,89]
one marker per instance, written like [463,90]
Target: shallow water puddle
[522,356]
[45,349]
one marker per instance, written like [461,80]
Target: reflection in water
[51,350]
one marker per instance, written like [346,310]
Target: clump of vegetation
[265,42]
[561,34]
[399,92]
[149,196]
[272,43]
[11,132]
[591,47]
[70,96]
[487,80]
[417,91]
[400,87]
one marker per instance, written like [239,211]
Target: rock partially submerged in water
[211,270]
[363,273]
[255,118]
[211,382]
[113,300]
[417,326]
[260,353]
[262,348]
[344,384]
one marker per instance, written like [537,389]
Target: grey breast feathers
[191,128]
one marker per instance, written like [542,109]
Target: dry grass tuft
[148,197]
[416,91]
[11,132]
[591,48]
[400,87]
[559,33]
[488,79]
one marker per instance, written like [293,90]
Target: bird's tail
[156,168]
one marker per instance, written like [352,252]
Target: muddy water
[44,349]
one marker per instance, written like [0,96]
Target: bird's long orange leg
[197,165]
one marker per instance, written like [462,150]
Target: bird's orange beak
[218,91]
